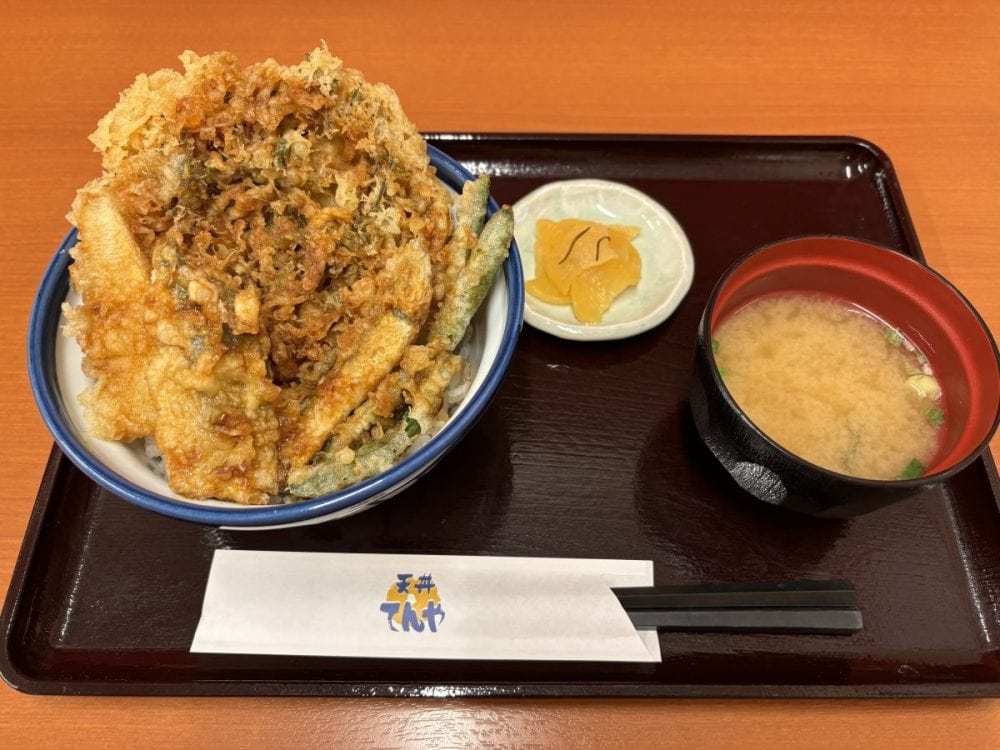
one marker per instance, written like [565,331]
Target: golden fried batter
[264,245]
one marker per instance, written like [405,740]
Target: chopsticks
[817,607]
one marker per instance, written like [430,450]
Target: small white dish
[667,260]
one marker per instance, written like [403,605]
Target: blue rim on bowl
[42,333]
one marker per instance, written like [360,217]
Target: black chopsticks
[818,607]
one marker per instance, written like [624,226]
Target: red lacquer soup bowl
[923,306]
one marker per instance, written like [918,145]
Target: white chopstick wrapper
[422,607]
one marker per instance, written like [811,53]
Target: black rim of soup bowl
[773,474]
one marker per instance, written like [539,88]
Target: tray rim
[891,195]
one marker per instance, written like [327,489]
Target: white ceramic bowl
[54,365]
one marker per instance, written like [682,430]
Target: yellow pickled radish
[572,246]
[541,288]
[592,293]
[583,263]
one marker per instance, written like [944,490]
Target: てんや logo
[413,603]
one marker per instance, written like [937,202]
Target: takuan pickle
[584,264]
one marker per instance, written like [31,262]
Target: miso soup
[833,384]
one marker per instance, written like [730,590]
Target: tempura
[271,280]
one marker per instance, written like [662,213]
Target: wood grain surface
[920,79]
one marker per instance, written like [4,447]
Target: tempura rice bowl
[127,470]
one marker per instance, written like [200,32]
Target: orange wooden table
[922,80]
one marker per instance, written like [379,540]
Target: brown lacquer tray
[588,451]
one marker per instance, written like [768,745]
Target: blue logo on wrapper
[413,603]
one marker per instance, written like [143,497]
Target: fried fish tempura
[257,263]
